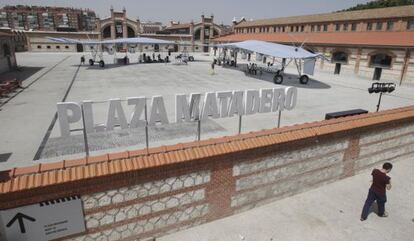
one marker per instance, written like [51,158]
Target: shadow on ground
[22,73]
[288,79]
[58,146]
[111,65]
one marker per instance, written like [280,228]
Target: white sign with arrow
[43,221]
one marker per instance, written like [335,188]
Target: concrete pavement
[330,212]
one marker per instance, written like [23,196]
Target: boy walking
[377,192]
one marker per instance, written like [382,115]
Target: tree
[381,4]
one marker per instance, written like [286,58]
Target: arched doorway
[131,32]
[380,61]
[339,58]
[106,33]
[7,55]
[197,34]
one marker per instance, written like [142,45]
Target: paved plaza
[29,129]
[330,212]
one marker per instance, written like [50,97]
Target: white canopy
[271,49]
[136,40]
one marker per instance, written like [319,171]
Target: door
[7,55]
[156,48]
[79,47]
[206,49]
[337,68]
[377,74]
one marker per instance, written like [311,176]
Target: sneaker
[384,215]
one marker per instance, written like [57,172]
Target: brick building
[35,18]
[375,43]
[199,33]
[118,25]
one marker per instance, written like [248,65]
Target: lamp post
[381,88]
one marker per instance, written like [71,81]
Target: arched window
[381,60]
[340,57]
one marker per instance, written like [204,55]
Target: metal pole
[379,102]
[146,126]
[85,135]
[240,123]
[198,130]
[278,119]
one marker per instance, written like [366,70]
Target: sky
[186,10]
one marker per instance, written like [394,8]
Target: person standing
[212,67]
[377,192]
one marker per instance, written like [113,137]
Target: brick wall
[218,178]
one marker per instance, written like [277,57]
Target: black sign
[20,217]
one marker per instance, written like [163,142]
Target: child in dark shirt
[377,192]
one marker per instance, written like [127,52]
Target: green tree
[381,4]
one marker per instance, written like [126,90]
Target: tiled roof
[179,26]
[47,174]
[398,39]
[392,12]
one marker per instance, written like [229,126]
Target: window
[57,47]
[291,28]
[297,28]
[325,27]
[369,26]
[340,57]
[390,25]
[337,27]
[66,47]
[39,46]
[283,29]
[381,60]
[274,29]
[345,27]
[379,26]
[302,28]
[410,24]
[48,47]
[354,27]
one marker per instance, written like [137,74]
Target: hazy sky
[187,10]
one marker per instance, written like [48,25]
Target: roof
[2,34]
[391,12]
[178,26]
[398,39]
[47,174]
